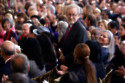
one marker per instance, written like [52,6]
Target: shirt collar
[9,59]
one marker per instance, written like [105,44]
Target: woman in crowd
[103,25]
[7,24]
[106,40]
[96,58]
[47,49]
[83,67]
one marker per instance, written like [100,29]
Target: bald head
[8,48]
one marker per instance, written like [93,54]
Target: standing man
[75,34]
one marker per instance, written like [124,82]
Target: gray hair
[111,46]
[29,25]
[7,19]
[73,6]
[22,66]
[61,29]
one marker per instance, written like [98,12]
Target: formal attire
[76,34]
[5,68]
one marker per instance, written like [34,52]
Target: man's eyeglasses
[72,14]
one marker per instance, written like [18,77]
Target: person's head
[95,51]
[112,26]
[72,13]
[121,30]
[97,13]
[93,3]
[81,53]
[90,20]
[69,77]
[35,20]
[51,8]
[7,24]
[9,15]
[32,11]
[81,56]
[17,78]
[26,28]
[104,14]
[20,64]
[102,25]
[108,5]
[31,34]
[61,28]
[95,33]
[59,9]
[107,39]
[44,8]
[22,17]
[87,10]
[39,5]
[7,49]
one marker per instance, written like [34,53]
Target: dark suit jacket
[77,34]
[5,69]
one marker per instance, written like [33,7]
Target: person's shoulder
[32,81]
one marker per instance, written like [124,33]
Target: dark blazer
[78,34]
[5,69]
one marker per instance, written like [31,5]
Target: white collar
[9,59]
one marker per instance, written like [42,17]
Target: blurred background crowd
[62,41]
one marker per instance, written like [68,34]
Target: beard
[71,22]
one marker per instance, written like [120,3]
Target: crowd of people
[62,41]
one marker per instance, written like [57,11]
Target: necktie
[67,31]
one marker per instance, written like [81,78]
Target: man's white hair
[73,6]
[27,24]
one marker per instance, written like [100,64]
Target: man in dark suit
[19,64]
[75,34]
[7,53]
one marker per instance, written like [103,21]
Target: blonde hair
[104,22]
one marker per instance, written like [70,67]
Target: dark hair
[69,77]
[6,19]
[27,5]
[113,25]
[47,47]
[20,64]
[95,51]
[106,11]
[35,16]
[23,15]
[6,51]
[32,28]
[92,19]
[123,19]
